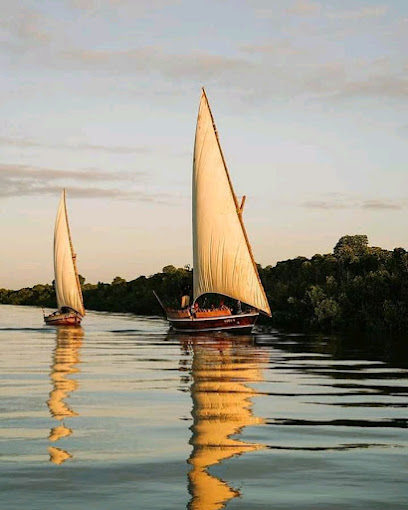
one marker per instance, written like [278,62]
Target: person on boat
[185,301]
[239,307]
[223,306]
[67,309]
[194,308]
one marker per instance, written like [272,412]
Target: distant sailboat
[222,256]
[67,286]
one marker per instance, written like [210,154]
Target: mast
[238,208]
[73,254]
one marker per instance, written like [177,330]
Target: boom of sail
[67,286]
[222,256]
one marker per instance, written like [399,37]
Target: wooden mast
[237,205]
[73,254]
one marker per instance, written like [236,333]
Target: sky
[101,97]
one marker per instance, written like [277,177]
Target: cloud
[374,11]
[23,27]
[259,71]
[30,28]
[272,48]
[323,204]
[381,204]
[281,68]
[394,85]
[104,58]
[194,65]
[339,201]
[14,171]
[284,69]
[23,180]
[304,8]
[137,7]
[27,143]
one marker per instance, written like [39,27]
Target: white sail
[67,286]
[223,261]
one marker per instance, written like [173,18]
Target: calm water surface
[120,414]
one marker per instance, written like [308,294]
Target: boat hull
[63,319]
[237,324]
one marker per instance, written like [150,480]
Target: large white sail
[67,286]
[222,257]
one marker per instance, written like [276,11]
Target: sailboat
[223,262]
[67,286]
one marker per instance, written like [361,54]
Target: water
[122,415]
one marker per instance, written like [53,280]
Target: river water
[120,414]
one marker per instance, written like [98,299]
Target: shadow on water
[64,364]
[221,370]
[393,351]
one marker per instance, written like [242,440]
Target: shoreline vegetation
[357,288]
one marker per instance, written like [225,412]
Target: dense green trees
[39,295]
[356,287]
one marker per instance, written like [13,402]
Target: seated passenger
[185,301]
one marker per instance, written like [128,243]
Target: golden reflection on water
[64,364]
[222,369]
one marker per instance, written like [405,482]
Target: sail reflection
[65,359]
[222,369]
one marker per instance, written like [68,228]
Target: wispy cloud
[393,84]
[335,201]
[281,67]
[373,11]
[324,204]
[283,47]
[138,7]
[381,204]
[27,143]
[193,65]
[23,180]
[289,70]
[304,8]
[23,27]
[30,27]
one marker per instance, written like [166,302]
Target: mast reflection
[64,361]
[222,367]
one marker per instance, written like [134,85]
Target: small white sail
[222,257]
[67,284]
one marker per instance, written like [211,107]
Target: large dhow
[67,286]
[222,257]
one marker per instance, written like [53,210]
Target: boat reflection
[65,359]
[222,369]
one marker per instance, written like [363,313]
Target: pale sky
[101,97]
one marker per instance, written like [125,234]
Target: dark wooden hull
[237,324]
[63,319]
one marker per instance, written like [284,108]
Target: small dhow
[67,286]
[223,262]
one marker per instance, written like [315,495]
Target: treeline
[357,287]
